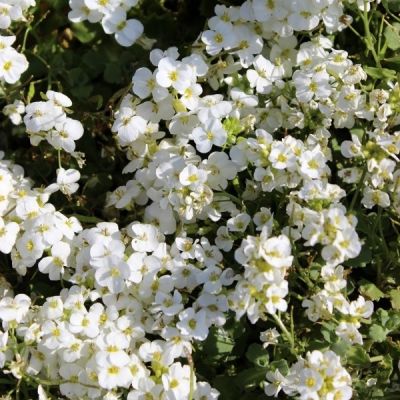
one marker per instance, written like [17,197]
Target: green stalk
[286,332]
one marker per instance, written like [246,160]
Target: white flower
[270,336]
[311,85]
[193,177]
[238,223]
[277,251]
[80,12]
[54,264]
[349,332]
[313,163]
[221,169]
[211,133]
[145,84]
[305,15]
[215,41]
[104,6]
[42,116]
[30,247]
[361,308]
[261,77]
[275,297]
[65,133]
[128,125]
[113,274]
[58,99]
[66,181]
[373,197]
[146,237]
[126,31]
[174,73]
[12,65]
[14,309]
[274,384]
[8,13]
[176,382]
[111,376]
[310,381]
[192,323]
[8,235]
[14,111]
[282,156]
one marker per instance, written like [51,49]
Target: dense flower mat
[200,208]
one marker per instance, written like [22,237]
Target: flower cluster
[263,287]
[94,349]
[113,17]
[12,63]
[331,301]
[48,120]
[140,286]
[30,225]
[235,204]
[319,376]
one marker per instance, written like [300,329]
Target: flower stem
[285,331]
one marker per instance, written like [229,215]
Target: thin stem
[380,228]
[192,375]
[291,322]
[359,185]
[285,331]
[369,40]
[59,158]
[25,38]
[380,35]
[376,358]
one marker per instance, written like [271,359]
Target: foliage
[268,217]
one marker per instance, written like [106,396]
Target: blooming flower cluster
[94,349]
[113,17]
[233,204]
[48,120]
[319,376]
[30,225]
[12,63]
[139,286]
[331,300]
[263,287]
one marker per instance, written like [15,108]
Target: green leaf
[257,355]
[393,322]
[31,92]
[83,33]
[361,260]
[218,345]
[341,347]
[357,356]
[385,368]
[377,333]
[252,377]
[280,365]
[395,298]
[392,35]
[113,73]
[97,100]
[391,5]
[382,316]
[393,60]
[226,385]
[380,73]
[370,290]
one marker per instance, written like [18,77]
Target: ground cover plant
[200,199]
